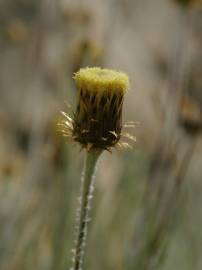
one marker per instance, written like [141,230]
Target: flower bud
[97,122]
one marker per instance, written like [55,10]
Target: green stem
[86,195]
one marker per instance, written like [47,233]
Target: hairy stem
[83,214]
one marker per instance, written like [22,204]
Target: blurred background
[147,206]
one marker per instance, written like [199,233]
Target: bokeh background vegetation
[147,206]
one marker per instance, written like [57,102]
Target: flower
[97,122]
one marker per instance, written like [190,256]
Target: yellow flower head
[101,80]
[97,122]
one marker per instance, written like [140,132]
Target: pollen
[96,79]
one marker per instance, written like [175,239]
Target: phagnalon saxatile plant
[96,125]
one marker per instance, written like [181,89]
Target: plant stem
[86,195]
